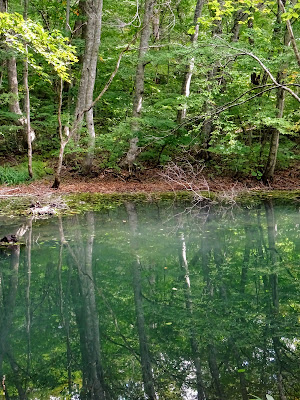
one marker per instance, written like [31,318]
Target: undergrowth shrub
[13,175]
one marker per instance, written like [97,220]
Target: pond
[152,302]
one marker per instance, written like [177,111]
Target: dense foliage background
[240,58]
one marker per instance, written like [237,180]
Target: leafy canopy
[28,37]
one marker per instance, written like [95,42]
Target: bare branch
[246,53]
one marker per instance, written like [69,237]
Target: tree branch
[291,34]
[268,72]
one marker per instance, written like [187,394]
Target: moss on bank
[82,202]
[278,196]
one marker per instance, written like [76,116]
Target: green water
[151,302]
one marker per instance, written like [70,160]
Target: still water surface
[149,302]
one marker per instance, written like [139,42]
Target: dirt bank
[150,181]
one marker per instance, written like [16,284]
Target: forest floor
[150,181]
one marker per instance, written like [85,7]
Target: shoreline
[79,194]
[151,181]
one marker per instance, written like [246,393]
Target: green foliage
[221,76]
[53,47]
[12,175]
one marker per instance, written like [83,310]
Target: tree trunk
[93,11]
[64,138]
[27,111]
[14,105]
[185,91]
[240,16]
[209,107]
[92,34]
[81,109]
[27,102]
[139,82]
[274,141]
[3,6]
[13,84]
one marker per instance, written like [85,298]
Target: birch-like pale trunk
[70,133]
[13,84]
[68,6]
[139,83]
[64,136]
[186,85]
[27,102]
[27,112]
[93,11]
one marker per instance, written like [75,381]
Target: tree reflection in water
[133,304]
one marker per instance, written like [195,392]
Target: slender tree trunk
[274,141]
[139,82]
[14,104]
[92,140]
[240,16]
[27,111]
[12,75]
[185,91]
[64,138]
[3,6]
[80,109]
[92,34]
[67,26]
[27,101]
[93,11]
[209,107]
[57,178]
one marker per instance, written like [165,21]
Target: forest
[89,85]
